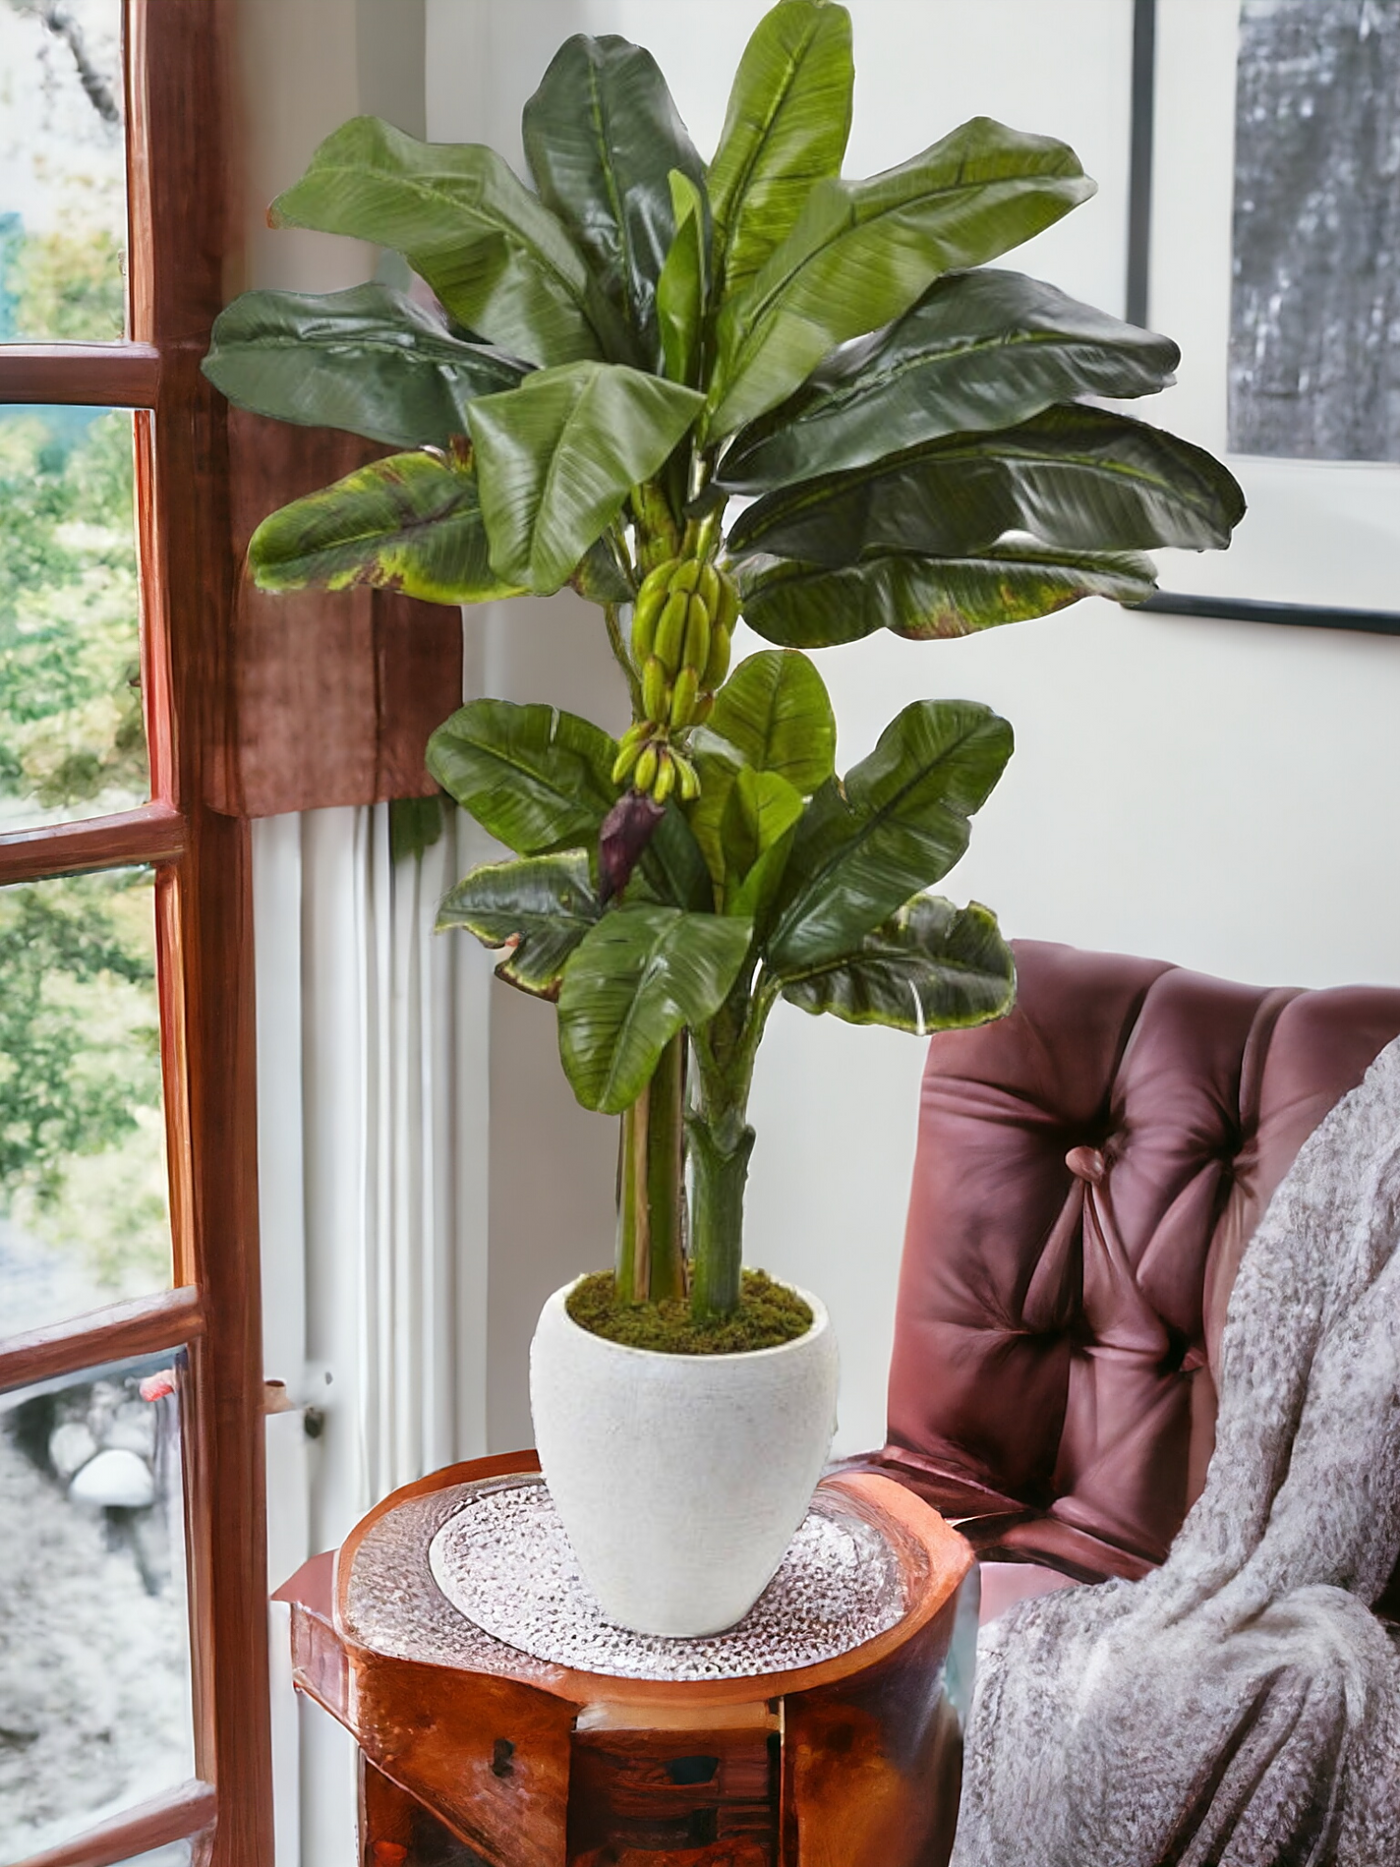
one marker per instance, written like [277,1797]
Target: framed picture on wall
[1268,229]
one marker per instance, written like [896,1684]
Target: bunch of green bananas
[681,629]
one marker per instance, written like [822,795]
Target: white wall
[300,68]
[1223,795]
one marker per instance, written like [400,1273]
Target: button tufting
[1087,1163]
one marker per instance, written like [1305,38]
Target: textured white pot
[681,1479]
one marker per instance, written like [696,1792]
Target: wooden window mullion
[177,180]
[176,188]
[94,375]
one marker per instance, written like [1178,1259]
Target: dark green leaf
[601,134]
[600,578]
[540,907]
[805,606]
[368,360]
[717,769]
[899,823]
[760,815]
[1080,479]
[786,127]
[559,455]
[415,824]
[980,350]
[490,249]
[673,867]
[535,779]
[412,522]
[642,974]
[681,289]
[755,895]
[761,808]
[863,251]
[775,710]
[931,967]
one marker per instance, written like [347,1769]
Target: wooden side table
[477,1755]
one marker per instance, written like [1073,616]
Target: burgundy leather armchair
[1089,1171]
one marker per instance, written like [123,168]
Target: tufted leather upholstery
[1089,1171]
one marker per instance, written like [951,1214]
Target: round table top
[869,1568]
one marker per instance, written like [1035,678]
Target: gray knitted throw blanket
[1241,1706]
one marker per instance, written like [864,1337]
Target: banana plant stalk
[650,1265]
[595,363]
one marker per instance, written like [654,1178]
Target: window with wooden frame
[133,1626]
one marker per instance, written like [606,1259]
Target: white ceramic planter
[681,1479]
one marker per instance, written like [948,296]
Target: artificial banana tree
[697,391]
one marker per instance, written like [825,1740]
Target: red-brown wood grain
[174,1816]
[709,1785]
[873,1763]
[96,375]
[396,1829]
[176,77]
[853,1762]
[155,833]
[120,1332]
[177,66]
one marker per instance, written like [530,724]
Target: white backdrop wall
[1223,795]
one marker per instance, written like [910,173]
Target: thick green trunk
[719,1161]
[651,1187]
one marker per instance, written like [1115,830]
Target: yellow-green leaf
[412,523]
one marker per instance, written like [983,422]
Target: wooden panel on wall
[332,694]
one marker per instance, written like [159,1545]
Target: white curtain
[372,1084]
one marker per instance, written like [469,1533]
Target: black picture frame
[1137,290]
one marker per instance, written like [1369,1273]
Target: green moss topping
[768,1315]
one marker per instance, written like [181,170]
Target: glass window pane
[94,1666]
[62,173]
[72,740]
[178,1854]
[83,1200]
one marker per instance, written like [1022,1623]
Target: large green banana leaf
[761,815]
[683,286]
[718,768]
[774,709]
[923,598]
[601,136]
[368,360]
[490,249]
[412,522]
[898,824]
[862,252]
[536,779]
[786,127]
[559,454]
[1081,479]
[980,350]
[540,907]
[642,974]
[673,868]
[931,967]
[760,810]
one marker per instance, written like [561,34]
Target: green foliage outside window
[69,282]
[81,1145]
[70,730]
[82,1159]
